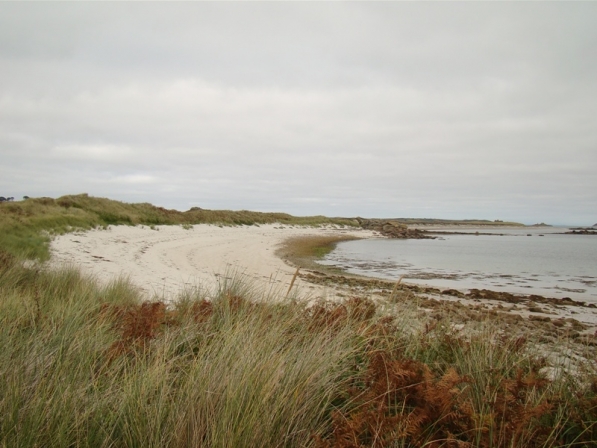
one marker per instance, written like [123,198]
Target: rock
[453,292]
[392,229]
[539,318]
[582,231]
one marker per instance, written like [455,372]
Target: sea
[519,260]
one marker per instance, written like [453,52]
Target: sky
[454,110]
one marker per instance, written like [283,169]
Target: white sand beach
[167,259]
[164,260]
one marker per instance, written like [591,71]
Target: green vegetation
[303,251]
[27,226]
[90,365]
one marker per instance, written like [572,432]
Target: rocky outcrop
[582,231]
[392,229]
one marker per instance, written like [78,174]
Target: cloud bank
[445,110]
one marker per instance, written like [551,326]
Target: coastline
[163,261]
[98,337]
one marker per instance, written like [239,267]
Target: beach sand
[164,260]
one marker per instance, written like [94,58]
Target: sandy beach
[164,260]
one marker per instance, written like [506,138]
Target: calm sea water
[552,265]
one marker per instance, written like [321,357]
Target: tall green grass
[91,365]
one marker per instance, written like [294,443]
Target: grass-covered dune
[26,226]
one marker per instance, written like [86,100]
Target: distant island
[458,222]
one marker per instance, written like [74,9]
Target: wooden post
[292,281]
[396,287]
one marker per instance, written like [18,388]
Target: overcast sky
[432,109]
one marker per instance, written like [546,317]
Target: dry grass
[90,365]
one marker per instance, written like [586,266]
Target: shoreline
[535,307]
[166,260]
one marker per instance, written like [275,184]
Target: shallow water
[552,265]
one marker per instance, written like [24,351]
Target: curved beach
[163,260]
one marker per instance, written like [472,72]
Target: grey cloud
[380,109]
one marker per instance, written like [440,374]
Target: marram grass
[89,365]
